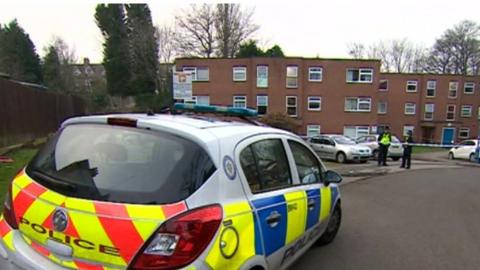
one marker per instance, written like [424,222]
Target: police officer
[384,141]
[407,150]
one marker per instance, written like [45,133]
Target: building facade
[343,96]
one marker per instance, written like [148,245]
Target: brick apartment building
[345,96]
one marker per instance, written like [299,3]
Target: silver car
[395,151]
[339,148]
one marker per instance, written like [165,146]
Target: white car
[464,150]
[339,148]
[168,191]
[395,151]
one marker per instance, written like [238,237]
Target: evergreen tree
[116,57]
[249,49]
[143,49]
[17,54]
[275,51]
[52,70]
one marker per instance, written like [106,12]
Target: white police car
[137,191]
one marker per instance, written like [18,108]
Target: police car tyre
[450,156]
[341,157]
[332,228]
[395,158]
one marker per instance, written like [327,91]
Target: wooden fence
[27,113]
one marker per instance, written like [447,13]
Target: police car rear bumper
[24,257]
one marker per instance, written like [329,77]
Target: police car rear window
[121,164]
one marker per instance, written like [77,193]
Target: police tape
[434,145]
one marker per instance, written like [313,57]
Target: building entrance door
[448,135]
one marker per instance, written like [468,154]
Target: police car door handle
[273,219]
[311,204]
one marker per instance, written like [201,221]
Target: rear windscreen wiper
[54,181]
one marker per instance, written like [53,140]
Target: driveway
[422,219]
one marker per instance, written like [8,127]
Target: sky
[301,28]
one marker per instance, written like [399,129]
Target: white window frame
[431,87]
[314,99]
[410,108]
[192,71]
[469,109]
[406,128]
[238,99]
[411,83]
[197,99]
[264,105]
[313,128]
[379,106]
[361,72]
[451,89]
[454,112]
[315,70]
[470,85]
[359,130]
[239,70]
[427,110]
[291,106]
[259,82]
[359,100]
[294,69]
[460,130]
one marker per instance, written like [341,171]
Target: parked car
[464,150]
[395,151]
[144,191]
[339,148]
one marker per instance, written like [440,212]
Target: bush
[281,121]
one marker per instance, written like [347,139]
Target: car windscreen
[121,164]
[343,140]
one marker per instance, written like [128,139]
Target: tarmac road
[423,219]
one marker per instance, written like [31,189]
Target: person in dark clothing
[407,151]
[384,140]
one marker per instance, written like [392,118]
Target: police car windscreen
[121,164]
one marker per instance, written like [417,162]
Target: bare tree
[457,50]
[66,54]
[356,50]
[196,31]
[166,38]
[233,26]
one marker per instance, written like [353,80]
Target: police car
[168,191]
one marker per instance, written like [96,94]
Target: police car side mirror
[332,177]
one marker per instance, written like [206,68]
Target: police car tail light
[8,212]
[180,240]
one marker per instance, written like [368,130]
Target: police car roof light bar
[222,110]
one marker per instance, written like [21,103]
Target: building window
[410,108]
[383,86]
[464,133]
[240,101]
[193,100]
[354,104]
[192,71]
[452,89]
[382,107]
[355,131]
[314,103]
[239,74]
[450,112]
[412,86]
[466,111]
[313,130]
[292,76]
[469,88]
[431,88]
[406,129]
[291,103]
[262,76]
[203,100]
[315,74]
[429,110]
[262,105]
[361,75]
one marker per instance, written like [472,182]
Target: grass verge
[426,149]
[8,170]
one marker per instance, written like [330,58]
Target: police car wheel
[395,158]
[332,227]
